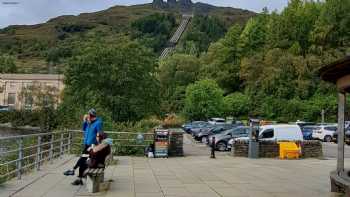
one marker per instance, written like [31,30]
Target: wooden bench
[95,176]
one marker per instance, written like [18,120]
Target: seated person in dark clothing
[96,156]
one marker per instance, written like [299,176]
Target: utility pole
[322,114]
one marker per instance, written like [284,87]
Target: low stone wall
[311,149]
[270,149]
[176,144]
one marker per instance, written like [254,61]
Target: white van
[281,132]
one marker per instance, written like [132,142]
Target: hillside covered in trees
[46,47]
[267,68]
[263,65]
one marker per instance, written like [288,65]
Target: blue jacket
[91,131]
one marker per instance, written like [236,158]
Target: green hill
[31,45]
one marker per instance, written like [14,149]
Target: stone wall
[311,149]
[176,144]
[270,149]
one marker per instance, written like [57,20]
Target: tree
[117,78]
[237,105]
[175,73]
[204,99]
[203,30]
[7,64]
[43,101]
[333,25]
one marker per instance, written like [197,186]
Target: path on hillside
[177,35]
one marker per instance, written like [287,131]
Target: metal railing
[122,141]
[23,153]
[20,154]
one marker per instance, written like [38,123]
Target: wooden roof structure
[338,73]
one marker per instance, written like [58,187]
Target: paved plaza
[196,176]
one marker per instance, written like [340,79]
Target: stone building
[11,86]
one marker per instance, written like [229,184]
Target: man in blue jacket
[91,127]
[94,127]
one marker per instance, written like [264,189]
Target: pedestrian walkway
[196,176]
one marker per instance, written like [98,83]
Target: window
[11,99]
[28,102]
[331,128]
[269,133]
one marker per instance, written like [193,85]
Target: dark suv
[203,134]
[221,140]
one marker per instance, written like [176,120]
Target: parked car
[205,128]
[307,132]
[216,129]
[187,127]
[324,132]
[216,121]
[230,143]
[197,128]
[346,137]
[221,140]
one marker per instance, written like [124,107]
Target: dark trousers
[81,163]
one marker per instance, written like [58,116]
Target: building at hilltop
[12,85]
[182,4]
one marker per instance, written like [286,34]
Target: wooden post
[341,133]
[38,154]
[20,158]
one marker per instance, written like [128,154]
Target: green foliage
[333,25]
[204,99]
[221,62]
[7,64]
[154,30]
[237,105]
[115,78]
[175,73]
[203,31]
[274,59]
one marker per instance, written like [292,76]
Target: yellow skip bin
[289,150]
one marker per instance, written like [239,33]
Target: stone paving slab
[193,176]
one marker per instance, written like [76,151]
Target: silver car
[222,139]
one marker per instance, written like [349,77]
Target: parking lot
[193,148]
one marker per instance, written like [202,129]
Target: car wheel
[221,146]
[328,138]
[204,140]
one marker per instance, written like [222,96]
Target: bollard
[20,158]
[213,148]
[38,154]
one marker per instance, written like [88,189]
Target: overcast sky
[38,11]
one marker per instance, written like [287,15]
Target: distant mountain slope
[30,43]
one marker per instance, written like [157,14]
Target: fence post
[61,145]
[69,141]
[20,158]
[38,154]
[51,148]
